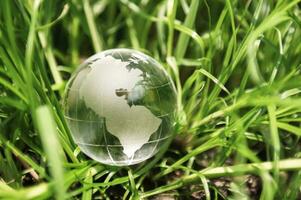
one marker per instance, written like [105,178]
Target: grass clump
[236,66]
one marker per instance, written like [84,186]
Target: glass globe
[120,106]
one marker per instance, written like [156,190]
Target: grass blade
[48,133]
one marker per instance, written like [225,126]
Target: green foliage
[236,66]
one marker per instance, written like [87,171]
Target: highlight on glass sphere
[120,107]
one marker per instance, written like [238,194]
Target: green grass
[236,66]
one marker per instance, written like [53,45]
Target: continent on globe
[108,96]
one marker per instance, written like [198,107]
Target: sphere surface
[120,106]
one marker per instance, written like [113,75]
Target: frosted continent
[132,125]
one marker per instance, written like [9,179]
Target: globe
[120,107]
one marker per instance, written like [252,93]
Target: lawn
[236,66]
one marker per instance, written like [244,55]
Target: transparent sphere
[120,107]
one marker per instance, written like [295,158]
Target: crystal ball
[120,107]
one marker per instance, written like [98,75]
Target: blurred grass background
[236,66]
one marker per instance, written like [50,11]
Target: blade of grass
[275,143]
[204,147]
[171,15]
[96,39]
[47,128]
[189,22]
[59,18]
[236,170]
[87,194]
